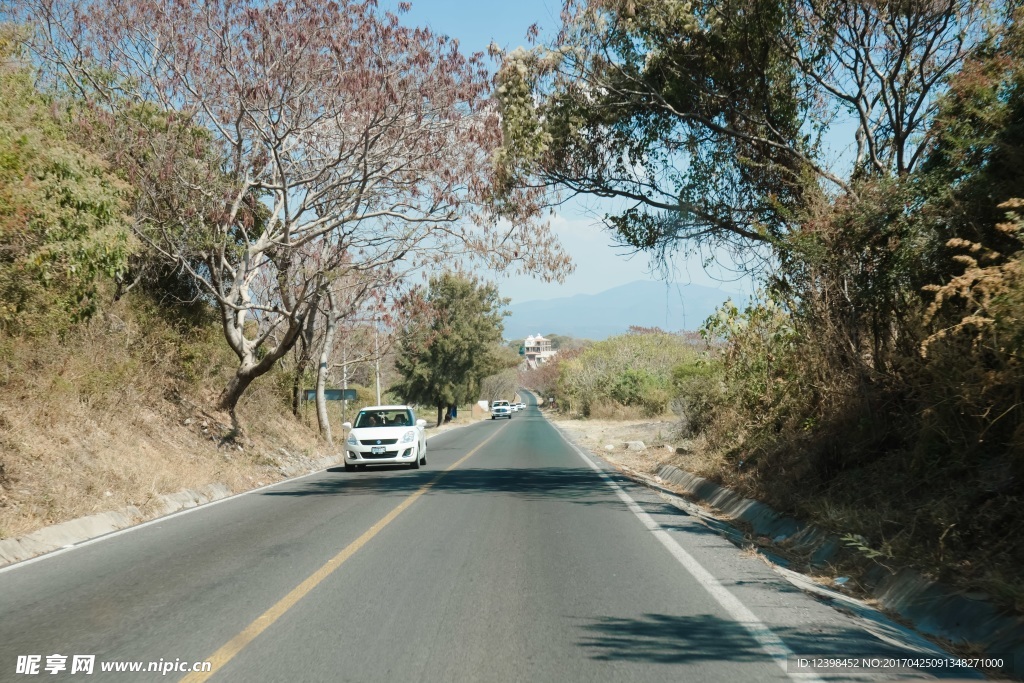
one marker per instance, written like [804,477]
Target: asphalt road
[510,557]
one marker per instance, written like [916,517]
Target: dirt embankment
[609,438]
[113,416]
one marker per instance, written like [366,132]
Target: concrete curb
[76,531]
[932,608]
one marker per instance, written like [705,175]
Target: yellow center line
[225,654]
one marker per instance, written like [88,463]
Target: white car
[385,435]
[501,409]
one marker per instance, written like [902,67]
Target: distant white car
[386,435]
[501,409]
[520,406]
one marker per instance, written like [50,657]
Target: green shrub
[698,388]
[632,370]
[63,223]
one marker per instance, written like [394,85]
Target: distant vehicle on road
[520,406]
[386,435]
[501,409]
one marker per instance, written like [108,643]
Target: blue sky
[476,24]
[600,265]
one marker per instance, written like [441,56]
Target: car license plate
[377,450]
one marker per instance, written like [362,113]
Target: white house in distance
[537,350]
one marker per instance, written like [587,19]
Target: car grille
[378,442]
[385,454]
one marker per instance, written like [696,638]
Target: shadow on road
[572,484]
[667,639]
[670,639]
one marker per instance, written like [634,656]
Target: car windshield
[383,418]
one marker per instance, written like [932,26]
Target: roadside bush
[544,378]
[63,223]
[876,386]
[698,390]
[632,370]
[641,388]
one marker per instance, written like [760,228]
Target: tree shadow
[671,639]
[575,484]
[667,639]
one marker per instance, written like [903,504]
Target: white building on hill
[538,350]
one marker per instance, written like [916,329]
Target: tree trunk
[248,371]
[321,371]
[229,398]
[440,415]
[300,364]
[305,352]
[322,418]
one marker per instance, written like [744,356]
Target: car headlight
[409,437]
[352,440]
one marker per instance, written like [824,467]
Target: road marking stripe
[225,654]
[770,642]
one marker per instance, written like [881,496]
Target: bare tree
[330,129]
[344,297]
[883,65]
[502,385]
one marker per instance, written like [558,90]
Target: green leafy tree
[706,117]
[451,343]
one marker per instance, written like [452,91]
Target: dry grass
[610,411]
[112,417]
[597,434]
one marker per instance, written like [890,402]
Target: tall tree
[451,342]
[332,130]
[706,119]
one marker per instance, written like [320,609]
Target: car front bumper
[395,453]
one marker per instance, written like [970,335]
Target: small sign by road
[331,394]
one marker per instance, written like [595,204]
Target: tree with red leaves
[330,138]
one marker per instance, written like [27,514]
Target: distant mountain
[672,307]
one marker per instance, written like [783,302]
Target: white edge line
[768,640]
[178,513]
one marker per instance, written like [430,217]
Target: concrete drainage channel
[966,620]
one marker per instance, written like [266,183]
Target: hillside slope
[110,415]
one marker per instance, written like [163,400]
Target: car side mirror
[346,425]
[421,423]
